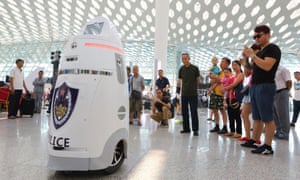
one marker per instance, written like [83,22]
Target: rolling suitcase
[27,106]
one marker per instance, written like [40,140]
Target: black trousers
[189,102]
[235,121]
[14,103]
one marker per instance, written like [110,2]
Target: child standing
[216,71]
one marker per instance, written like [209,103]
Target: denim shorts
[262,98]
[246,99]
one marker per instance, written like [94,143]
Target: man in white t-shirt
[16,88]
[296,100]
[281,103]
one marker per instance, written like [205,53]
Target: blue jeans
[296,109]
[262,100]
[193,102]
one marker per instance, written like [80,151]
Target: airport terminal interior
[153,35]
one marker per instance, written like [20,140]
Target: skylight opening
[275,12]
[79,11]
[270,4]
[66,5]
[111,4]
[134,18]
[39,6]
[188,14]
[127,4]
[80,4]
[95,4]
[248,3]
[14,8]
[235,9]
[216,8]
[279,21]
[144,24]
[260,19]
[123,11]
[205,15]
[255,11]
[295,14]
[52,5]
[149,18]
[197,7]
[144,5]
[196,21]
[178,6]
[138,12]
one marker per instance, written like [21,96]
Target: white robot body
[88,129]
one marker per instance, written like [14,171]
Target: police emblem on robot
[64,102]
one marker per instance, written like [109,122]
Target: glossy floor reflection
[154,153]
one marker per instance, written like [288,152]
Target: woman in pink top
[233,108]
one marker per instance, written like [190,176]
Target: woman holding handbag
[234,101]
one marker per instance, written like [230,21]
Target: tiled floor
[154,153]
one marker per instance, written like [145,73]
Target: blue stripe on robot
[64,102]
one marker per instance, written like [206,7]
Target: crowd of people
[265,95]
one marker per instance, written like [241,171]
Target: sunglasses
[257,36]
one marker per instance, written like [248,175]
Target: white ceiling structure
[204,27]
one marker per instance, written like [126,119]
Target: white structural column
[161,34]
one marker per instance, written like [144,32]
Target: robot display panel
[94,29]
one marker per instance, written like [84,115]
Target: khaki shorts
[160,116]
[135,105]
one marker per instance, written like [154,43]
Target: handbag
[136,94]
[245,90]
[234,103]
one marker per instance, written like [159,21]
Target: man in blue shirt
[162,82]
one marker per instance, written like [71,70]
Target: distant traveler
[135,100]
[189,78]
[38,91]
[281,112]
[16,88]
[296,100]
[162,82]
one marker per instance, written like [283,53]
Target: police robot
[88,129]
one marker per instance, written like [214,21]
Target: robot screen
[94,29]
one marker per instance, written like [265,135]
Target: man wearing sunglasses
[263,89]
